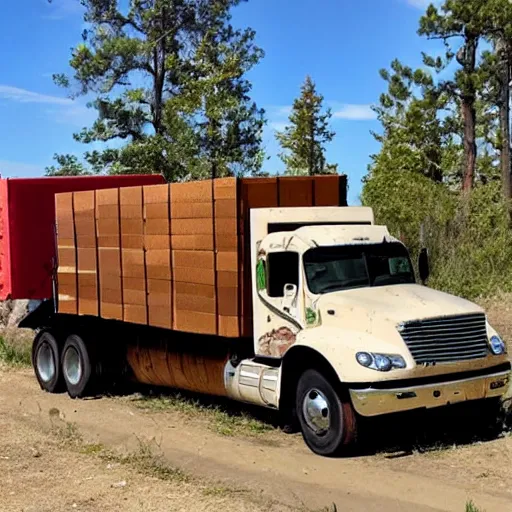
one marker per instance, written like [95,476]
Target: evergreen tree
[159,69]
[303,141]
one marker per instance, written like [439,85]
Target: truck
[269,291]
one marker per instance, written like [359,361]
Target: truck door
[278,295]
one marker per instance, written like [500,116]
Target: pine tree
[303,141]
[143,63]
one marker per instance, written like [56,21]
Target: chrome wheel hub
[316,411]
[72,366]
[45,363]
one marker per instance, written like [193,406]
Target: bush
[469,240]
[15,349]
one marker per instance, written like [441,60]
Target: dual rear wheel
[62,366]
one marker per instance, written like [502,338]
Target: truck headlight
[380,362]
[497,345]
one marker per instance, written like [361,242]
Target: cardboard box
[152,242]
[194,259]
[86,260]
[192,242]
[202,290]
[84,201]
[130,196]
[135,297]
[198,303]
[160,316]
[156,211]
[191,210]
[192,321]
[156,227]
[88,307]
[68,306]
[226,208]
[197,191]
[87,280]
[134,283]
[135,314]
[230,227]
[107,211]
[109,261]
[227,279]
[158,264]
[66,228]
[227,261]
[110,281]
[109,196]
[108,227]
[132,226]
[225,188]
[132,241]
[111,311]
[111,295]
[296,191]
[67,259]
[192,227]
[228,326]
[85,227]
[327,191]
[226,242]
[110,241]
[86,242]
[156,194]
[227,301]
[194,275]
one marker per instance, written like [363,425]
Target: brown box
[227,261]
[69,307]
[88,307]
[200,191]
[160,316]
[156,194]
[86,260]
[226,208]
[86,242]
[191,210]
[84,201]
[195,242]
[107,197]
[198,303]
[136,297]
[108,227]
[158,264]
[110,241]
[193,321]
[227,279]
[110,282]
[107,211]
[157,242]
[156,211]
[135,314]
[296,191]
[192,227]
[111,311]
[134,283]
[85,227]
[109,261]
[66,228]
[130,196]
[67,258]
[226,242]
[194,275]
[159,287]
[156,227]
[63,204]
[259,193]
[202,290]
[227,301]
[131,211]
[111,295]
[132,257]
[194,259]
[132,226]
[224,188]
[327,191]
[228,326]
[160,299]
[226,227]
[87,280]
[132,241]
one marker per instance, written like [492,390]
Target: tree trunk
[468,98]
[504,104]
[312,147]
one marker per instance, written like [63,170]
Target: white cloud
[355,112]
[9,169]
[24,96]
[64,110]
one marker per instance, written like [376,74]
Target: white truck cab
[341,327]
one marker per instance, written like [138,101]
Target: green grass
[15,352]
[219,420]
[471,507]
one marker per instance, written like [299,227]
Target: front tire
[46,362]
[328,422]
[76,367]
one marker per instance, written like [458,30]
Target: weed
[92,449]
[220,421]
[471,507]
[16,354]
[222,491]
[68,434]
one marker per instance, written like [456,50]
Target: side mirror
[424,265]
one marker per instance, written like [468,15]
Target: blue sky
[341,43]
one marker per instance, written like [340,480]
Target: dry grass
[16,347]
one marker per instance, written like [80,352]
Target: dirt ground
[60,454]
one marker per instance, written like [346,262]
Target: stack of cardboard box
[84,204]
[172,256]
[109,253]
[158,255]
[66,252]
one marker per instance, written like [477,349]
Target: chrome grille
[447,339]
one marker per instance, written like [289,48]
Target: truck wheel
[76,367]
[46,362]
[328,423]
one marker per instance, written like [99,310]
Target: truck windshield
[330,269]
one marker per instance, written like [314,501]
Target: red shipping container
[27,219]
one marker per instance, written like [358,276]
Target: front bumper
[373,402]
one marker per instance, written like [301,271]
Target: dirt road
[41,471]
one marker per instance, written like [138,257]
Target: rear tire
[328,422]
[77,369]
[46,362]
